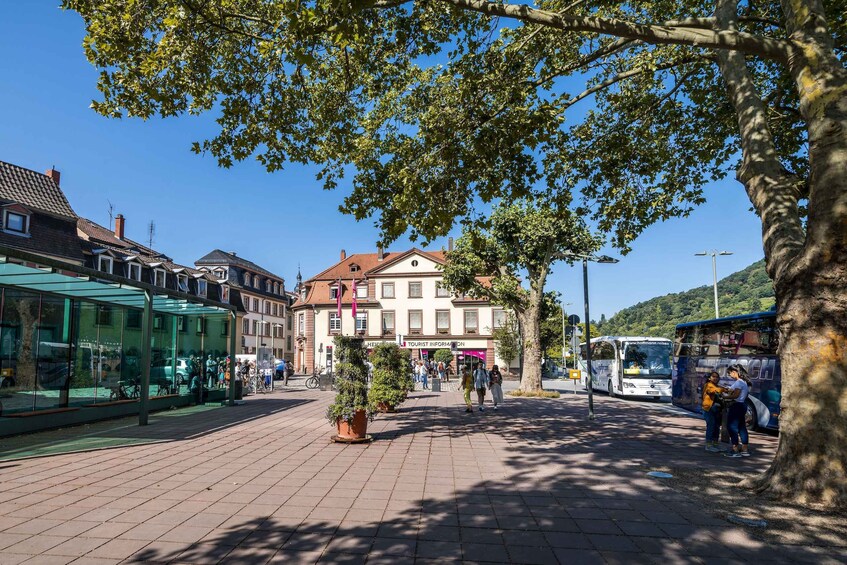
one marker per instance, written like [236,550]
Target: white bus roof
[640,339]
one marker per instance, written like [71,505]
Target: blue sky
[279,220]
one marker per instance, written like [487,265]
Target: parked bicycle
[125,391]
[313,382]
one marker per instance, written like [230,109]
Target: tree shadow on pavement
[535,482]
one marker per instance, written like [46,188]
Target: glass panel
[17,346]
[415,320]
[54,352]
[647,359]
[470,321]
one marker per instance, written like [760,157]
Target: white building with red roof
[398,298]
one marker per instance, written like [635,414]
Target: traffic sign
[573,319]
[574,374]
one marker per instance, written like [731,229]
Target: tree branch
[766,47]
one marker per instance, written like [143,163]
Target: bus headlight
[629,385]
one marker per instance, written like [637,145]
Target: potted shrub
[350,411]
[390,377]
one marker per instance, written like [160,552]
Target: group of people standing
[733,399]
[481,380]
[424,369]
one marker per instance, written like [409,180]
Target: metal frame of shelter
[52,276]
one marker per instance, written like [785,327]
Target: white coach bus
[629,366]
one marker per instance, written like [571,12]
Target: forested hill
[743,292]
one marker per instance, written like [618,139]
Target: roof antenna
[111,214]
[151,231]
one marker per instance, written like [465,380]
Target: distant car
[163,370]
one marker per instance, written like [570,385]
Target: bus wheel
[751,419]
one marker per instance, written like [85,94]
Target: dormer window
[333,293]
[225,294]
[221,274]
[268,286]
[134,271]
[105,264]
[16,221]
[202,287]
[354,268]
[276,288]
[182,282]
[256,282]
[159,277]
[246,279]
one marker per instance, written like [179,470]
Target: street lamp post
[564,336]
[714,255]
[585,259]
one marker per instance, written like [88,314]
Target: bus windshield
[648,360]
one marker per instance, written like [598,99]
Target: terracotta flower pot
[384,407]
[356,429]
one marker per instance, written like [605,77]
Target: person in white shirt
[480,378]
[736,417]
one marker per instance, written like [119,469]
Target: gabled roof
[34,190]
[99,237]
[95,233]
[218,257]
[436,256]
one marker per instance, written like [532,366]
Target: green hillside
[743,292]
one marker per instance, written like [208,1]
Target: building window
[388,323]
[471,321]
[182,283]
[289,321]
[361,321]
[334,322]
[221,274]
[274,309]
[158,321]
[159,277]
[388,290]
[333,293]
[202,288]
[105,264]
[268,286]
[104,315]
[182,323]
[256,305]
[415,290]
[255,327]
[354,268]
[288,342]
[267,307]
[18,223]
[442,321]
[415,322]
[246,279]
[225,294]
[135,272]
[256,282]
[441,291]
[245,326]
[276,288]
[301,325]
[224,328]
[362,290]
[277,330]
[133,319]
[201,326]
[499,319]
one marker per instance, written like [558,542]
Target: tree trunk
[531,340]
[808,268]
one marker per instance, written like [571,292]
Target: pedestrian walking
[712,407]
[441,373]
[467,387]
[737,413]
[424,377]
[495,382]
[480,378]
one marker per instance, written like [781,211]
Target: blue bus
[713,345]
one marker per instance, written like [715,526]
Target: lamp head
[701,254]
[725,253]
[605,259]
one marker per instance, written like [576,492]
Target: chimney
[119,226]
[379,253]
[343,255]
[449,244]
[233,253]
[53,174]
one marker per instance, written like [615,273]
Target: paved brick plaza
[534,482]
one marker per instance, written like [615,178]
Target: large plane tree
[437,104]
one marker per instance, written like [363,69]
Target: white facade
[398,300]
